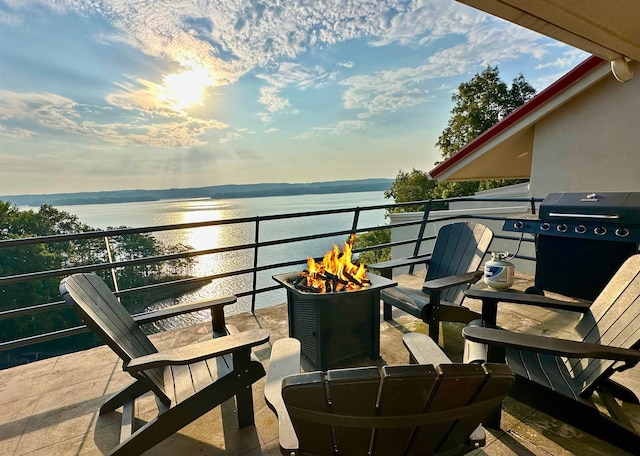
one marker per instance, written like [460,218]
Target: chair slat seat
[543,369]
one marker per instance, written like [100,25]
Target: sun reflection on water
[194,210]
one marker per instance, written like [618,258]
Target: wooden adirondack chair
[562,377]
[452,268]
[187,381]
[414,409]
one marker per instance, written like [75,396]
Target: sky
[149,94]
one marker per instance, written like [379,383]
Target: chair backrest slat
[101,311]
[353,392]
[412,409]
[404,390]
[459,248]
[613,319]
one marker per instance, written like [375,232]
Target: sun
[185,89]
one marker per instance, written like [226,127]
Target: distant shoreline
[215,192]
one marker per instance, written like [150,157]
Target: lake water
[167,212]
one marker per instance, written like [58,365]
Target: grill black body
[582,239]
[335,327]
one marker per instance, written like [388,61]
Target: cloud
[483,44]
[282,44]
[386,91]
[230,136]
[10,19]
[16,133]
[338,128]
[54,115]
[229,38]
[569,59]
[271,100]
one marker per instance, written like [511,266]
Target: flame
[336,272]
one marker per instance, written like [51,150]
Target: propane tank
[498,272]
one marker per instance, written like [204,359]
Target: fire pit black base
[335,327]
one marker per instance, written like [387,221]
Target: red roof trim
[541,98]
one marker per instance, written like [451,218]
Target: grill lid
[612,207]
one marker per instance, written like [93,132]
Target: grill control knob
[545,227]
[600,231]
[561,228]
[622,232]
[581,229]
[518,225]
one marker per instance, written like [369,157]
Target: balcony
[50,406]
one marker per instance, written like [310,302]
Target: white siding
[591,143]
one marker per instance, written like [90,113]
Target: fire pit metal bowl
[335,327]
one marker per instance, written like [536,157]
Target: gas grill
[581,240]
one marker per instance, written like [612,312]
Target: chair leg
[493,419]
[621,392]
[244,396]
[244,404]
[434,330]
[185,412]
[386,311]
[128,393]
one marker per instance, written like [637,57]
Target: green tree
[478,105]
[371,238]
[411,186]
[16,223]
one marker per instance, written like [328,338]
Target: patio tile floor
[50,407]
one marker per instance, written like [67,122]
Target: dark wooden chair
[564,377]
[187,381]
[452,267]
[419,409]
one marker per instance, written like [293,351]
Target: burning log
[309,289]
[335,273]
[335,278]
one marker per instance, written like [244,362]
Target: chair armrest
[548,345]
[451,281]
[192,353]
[423,349]
[387,266]
[216,306]
[284,361]
[517,297]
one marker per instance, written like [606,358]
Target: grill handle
[591,216]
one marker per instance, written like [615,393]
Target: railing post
[114,276]
[255,265]
[423,225]
[356,218]
[533,206]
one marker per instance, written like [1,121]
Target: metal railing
[38,310]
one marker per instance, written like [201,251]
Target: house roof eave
[459,166]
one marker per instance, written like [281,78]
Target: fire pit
[334,326]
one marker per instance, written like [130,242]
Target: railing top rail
[6,243]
